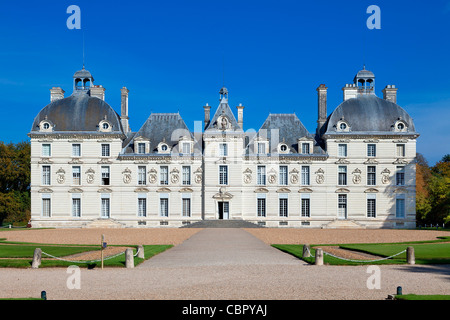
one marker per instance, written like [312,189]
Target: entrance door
[224,212]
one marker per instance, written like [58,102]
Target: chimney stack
[240,109]
[207,114]
[56,93]
[390,93]
[98,92]
[322,106]
[124,109]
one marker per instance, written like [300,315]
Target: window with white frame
[142,205]
[400,150]
[76,175]
[342,175]
[46,175]
[141,147]
[76,206]
[261,175]
[106,150]
[223,149]
[342,150]
[186,206]
[46,206]
[76,150]
[283,205]
[371,206]
[105,176]
[142,175]
[223,175]
[261,205]
[261,147]
[371,150]
[305,206]
[371,175]
[164,206]
[186,175]
[305,148]
[400,207]
[164,175]
[283,176]
[305,176]
[342,206]
[46,150]
[400,176]
[105,206]
[186,147]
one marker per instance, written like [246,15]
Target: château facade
[89,169]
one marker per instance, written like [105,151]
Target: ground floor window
[261,207]
[371,208]
[186,204]
[283,207]
[46,207]
[342,206]
[105,210]
[400,208]
[142,207]
[164,207]
[306,208]
[76,207]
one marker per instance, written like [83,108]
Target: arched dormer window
[46,126]
[400,126]
[342,126]
[105,126]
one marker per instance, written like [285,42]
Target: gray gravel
[224,264]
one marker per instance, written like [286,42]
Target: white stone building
[89,169]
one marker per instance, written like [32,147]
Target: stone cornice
[76,135]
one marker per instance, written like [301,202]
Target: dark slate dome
[78,113]
[368,113]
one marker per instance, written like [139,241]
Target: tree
[423,175]
[15,181]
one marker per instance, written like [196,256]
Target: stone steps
[222,224]
[103,224]
[343,224]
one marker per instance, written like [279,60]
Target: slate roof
[223,109]
[78,113]
[290,129]
[368,114]
[159,127]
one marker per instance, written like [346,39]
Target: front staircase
[222,224]
[343,224]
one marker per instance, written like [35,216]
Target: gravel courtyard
[249,269]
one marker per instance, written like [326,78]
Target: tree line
[432,187]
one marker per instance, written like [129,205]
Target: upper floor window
[105,176]
[76,175]
[46,175]
[186,175]
[261,175]
[305,175]
[342,150]
[76,150]
[400,176]
[164,175]
[342,175]
[261,147]
[105,150]
[223,149]
[186,147]
[142,176]
[223,175]
[141,147]
[283,178]
[371,175]
[371,150]
[46,150]
[400,150]
[305,148]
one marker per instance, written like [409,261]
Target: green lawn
[20,255]
[422,297]
[426,252]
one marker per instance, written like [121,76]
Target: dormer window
[46,126]
[105,126]
[283,148]
[186,148]
[342,126]
[400,126]
[163,148]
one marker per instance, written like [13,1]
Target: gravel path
[254,274]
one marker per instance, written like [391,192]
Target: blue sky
[271,55]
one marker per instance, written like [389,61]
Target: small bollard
[399,291]
[129,259]
[36,258]
[306,251]
[141,252]
[43,295]
[410,257]
[319,257]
